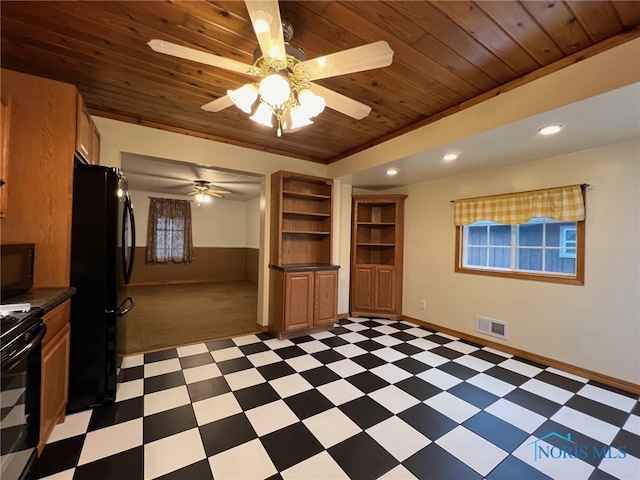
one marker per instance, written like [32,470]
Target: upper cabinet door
[84,131]
[95,145]
[4,154]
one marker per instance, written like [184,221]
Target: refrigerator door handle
[125,307]
[128,251]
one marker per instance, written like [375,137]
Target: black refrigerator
[102,256]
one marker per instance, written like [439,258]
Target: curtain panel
[561,203]
[169,237]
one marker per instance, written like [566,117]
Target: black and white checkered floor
[370,399]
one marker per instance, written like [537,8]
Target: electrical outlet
[423,304]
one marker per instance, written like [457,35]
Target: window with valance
[535,235]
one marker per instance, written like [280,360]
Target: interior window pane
[500,235]
[530,235]
[499,257]
[476,257]
[529,259]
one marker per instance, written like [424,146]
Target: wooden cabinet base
[55,380]
[302,301]
[391,316]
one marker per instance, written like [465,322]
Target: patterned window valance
[561,203]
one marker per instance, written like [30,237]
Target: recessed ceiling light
[392,171]
[551,129]
[450,156]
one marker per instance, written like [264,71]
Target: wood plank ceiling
[448,55]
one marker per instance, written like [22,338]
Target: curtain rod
[583,185]
[190,201]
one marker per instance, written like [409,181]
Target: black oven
[20,354]
[16,271]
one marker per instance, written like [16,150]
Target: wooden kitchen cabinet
[40,153]
[95,145]
[5,123]
[84,130]
[87,135]
[55,370]
[376,256]
[303,282]
[302,302]
[374,289]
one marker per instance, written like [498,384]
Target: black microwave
[16,268]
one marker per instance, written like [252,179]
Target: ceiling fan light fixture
[203,198]
[311,104]
[263,115]
[299,118]
[244,97]
[275,89]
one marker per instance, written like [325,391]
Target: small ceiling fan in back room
[203,192]
[283,77]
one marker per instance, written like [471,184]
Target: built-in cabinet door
[362,294]
[5,122]
[55,383]
[385,288]
[298,305]
[95,145]
[326,297]
[84,130]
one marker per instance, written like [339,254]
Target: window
[492,238]
[169,235]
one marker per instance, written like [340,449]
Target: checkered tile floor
[370,399]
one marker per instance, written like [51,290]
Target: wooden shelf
[310,196]
[376,245]
[305,232]
[376,224]
[308,214]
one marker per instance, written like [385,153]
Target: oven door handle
[28,346]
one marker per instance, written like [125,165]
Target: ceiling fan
[204,192]
[283,76]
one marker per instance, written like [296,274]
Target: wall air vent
[492,327]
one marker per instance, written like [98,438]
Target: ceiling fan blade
[193,193]
[211,194]
[340,103]
[267,24]
[218,104]
[366,57]
[198,56]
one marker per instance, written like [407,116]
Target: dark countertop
[304,267]
[45,298]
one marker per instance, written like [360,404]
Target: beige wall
[221,223]
[595,326]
